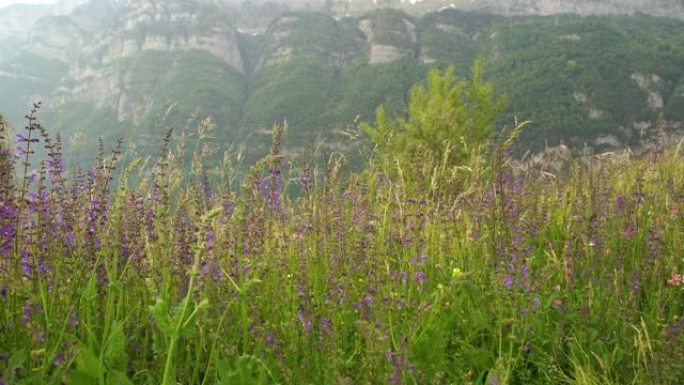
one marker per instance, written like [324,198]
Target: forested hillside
[111,70]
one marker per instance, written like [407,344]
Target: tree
[445,118]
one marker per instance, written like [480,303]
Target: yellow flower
[456,273]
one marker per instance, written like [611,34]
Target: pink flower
[675,279]
[558,303]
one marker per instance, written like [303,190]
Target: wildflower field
[489,273]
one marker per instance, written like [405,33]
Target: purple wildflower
[27,310]
[325,326]
[26,263]
[306,322]
[21,138]
[420,277]
[508,281]
[535,302]
[628,231]
[59,359]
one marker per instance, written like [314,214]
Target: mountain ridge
[124,64]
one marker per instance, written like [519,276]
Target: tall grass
[486,274]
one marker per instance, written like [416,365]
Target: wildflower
[304,320]
[304,179]
[270,339]
[525,272]
[22,139]
[508,281]
[628,231]
[27,310]
[558,303]
[20,152]
[55,165]
[388,355]
[535,302]
[456,273]
[419,261]
[420,277]
[70,239]
[675,278]
[271,187]
[340,293]
[325,326]
[26,263]
[210,239]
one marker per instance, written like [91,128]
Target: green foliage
[543,64]
[571,76]
[371,279]
[445,118]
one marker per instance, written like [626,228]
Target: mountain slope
[114,68]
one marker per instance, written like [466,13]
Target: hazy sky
[8,2]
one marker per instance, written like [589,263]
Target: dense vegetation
[426,268]
[575,78]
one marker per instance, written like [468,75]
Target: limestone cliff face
[389,37]
[93,38]
[56,37]
[148,25]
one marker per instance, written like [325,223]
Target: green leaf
[80,378]
[17,359]
[118,378]
[115,349]
[90,291]
[160,313]
[222,370]
[88,363]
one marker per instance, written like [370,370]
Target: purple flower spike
[325,326]
[420,277]
[27,310]
[304,320]
[508,281]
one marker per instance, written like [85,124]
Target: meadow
[422,272]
